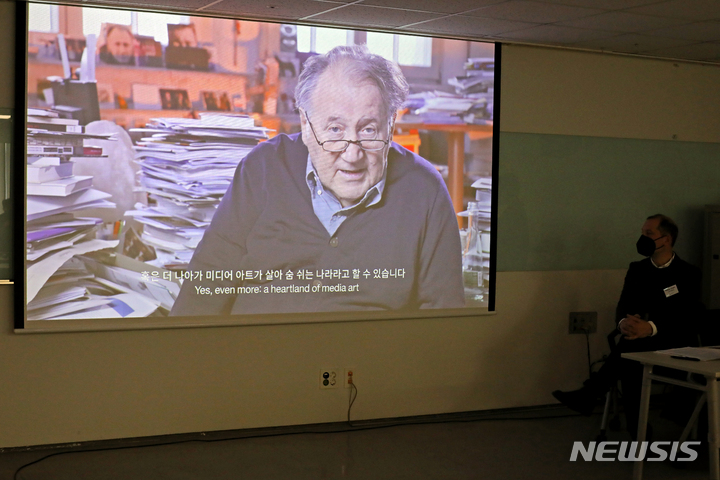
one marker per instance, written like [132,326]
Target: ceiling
[675,29]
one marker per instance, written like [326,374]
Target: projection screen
[194,171]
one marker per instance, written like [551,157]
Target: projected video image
[195,167]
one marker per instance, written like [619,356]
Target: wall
[86,386]
[591,145]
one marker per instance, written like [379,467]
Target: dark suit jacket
[675,316]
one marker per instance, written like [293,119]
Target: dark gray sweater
[403,253]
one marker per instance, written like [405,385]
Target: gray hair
[667,226]
[360,65]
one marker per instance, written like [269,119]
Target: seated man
[341,217]
[658,309]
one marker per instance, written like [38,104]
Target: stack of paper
[53,143]
[187,166]
[700,354]
[83,287]
[447,108]
[472,101]
[55,236]
[479,78]
[75,293]
[470,84]
[483,191]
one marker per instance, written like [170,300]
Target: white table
[710,370]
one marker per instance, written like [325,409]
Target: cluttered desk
[456,152]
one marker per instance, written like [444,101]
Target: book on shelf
[56,149]
[32,125]
[48,137]
[61,187]
[66,150]
[42,112]
[48,173]
[92,151]
[52,120]
[36,138]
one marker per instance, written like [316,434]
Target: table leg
[643,416]
[713,427]
[456,170]
[693,418]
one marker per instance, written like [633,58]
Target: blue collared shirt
[328,209]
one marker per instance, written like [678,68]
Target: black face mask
[646,245]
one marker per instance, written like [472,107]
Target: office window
[381,44]
[414,51]
[93,18]
[322,40]
[141,23]
[155,24]
[43,18]
[405,50]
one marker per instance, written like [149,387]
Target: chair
[611,399]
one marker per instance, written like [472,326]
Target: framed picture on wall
[174,99]
[106,96]
[216,101]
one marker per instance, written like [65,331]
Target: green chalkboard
[577,203]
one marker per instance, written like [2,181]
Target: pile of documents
[74,292]
[698,354]
[479,78]
[53,144]
[472,101]
[55,234]
[448,108]
[187,166]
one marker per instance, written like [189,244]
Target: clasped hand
[633,327]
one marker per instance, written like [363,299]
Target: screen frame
[19,173]
[21,324]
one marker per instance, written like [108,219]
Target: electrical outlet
[350,376]
[329,378]
[583,322]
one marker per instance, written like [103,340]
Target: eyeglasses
[337,146]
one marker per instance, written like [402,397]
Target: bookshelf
[121,79]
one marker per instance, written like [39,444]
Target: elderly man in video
[337,218]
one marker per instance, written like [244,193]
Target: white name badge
[670,291]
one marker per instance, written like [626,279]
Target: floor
[518,444]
